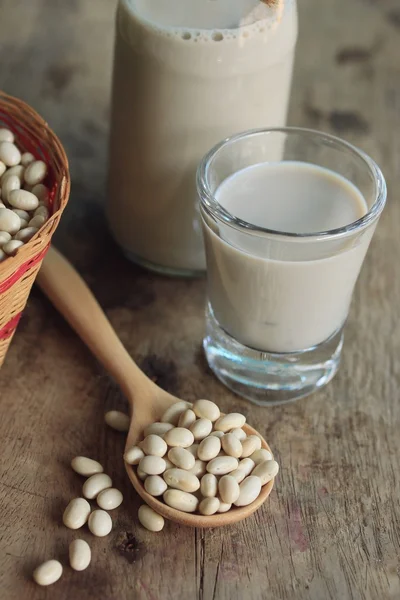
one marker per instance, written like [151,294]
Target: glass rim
[214,209]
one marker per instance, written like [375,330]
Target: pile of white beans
[98,486]
[23,196]
[196,460]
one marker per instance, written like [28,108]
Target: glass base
[267,378]
[161,269]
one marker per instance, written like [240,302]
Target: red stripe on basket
[9,329]
[7,283]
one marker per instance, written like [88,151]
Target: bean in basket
[23,196]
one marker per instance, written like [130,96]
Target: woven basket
[17,273]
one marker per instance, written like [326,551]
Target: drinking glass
[278,301]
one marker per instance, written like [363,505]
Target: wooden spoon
[71,296]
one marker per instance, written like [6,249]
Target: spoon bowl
[70,295]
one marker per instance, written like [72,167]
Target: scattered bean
[266,471]
[181,480]
[79,555]
[133,455]
[206,409]
[47,573]
[250,445]
[209,448]
[179,436]
[249,490]
[222,465]
[209,485]
[109,499]
[100,523]
[230,421]
[154,444]
[77,513]
[209,506]
[150,519]
[35,172]
[96,484]
[86,466]
[152,465]
[181,458]
[117,420]
[260,456]
[155,485]
[231,445]
[187,418]
[201,429]
[158,429]
[181,500]
[173,413]
[228,489]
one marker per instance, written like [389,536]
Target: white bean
[79,555]
[117,420]
[21,213]
[246,465]
[266,471]
[218,434]
[230,421]
[150,519]
[100,523]
[96,484]
[9,154]
[86,466]
[6,135]
[187,418]
[173,413]
[37,221]
[3,255]
[207,410]
[35,172]
[181,500]
[158,429]
[12,246]
[181,480]
[26,234]
[18,170]
[209,485]
[240,434]
[250,445]
[155,485]
[42,192]
[260,456]
[141,474]
[222,465]
[193,449]
[228,489]
[201,429]
[179,436]
[209,448]
[154,444]
[250,489]
[4,238]
[77,513]
[27,158]
[181,458]
[109,499]
[224,507]
[231,445]
[152,465]
[10,184]
[2,168]
[22,199]
[47,573]
[209,506]
[199,468]
[133,455]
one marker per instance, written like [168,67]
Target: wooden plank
[331,527]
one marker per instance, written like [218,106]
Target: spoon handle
[71,296]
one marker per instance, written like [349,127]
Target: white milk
[290,295]
[187,73]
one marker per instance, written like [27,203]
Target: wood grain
[331,526]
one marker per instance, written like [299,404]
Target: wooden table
[331,527]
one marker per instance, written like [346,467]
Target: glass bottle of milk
[187,73]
